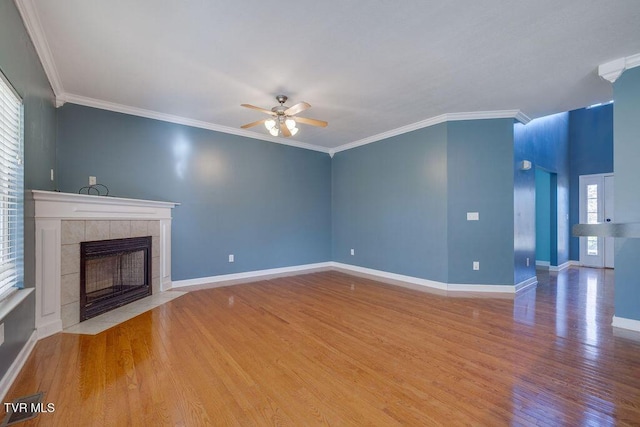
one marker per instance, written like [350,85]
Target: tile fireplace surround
[62,221]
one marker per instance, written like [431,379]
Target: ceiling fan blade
[253,107]
[285,130]
[312,122]
[256,123]
[299,107]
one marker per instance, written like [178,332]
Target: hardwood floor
[330,348]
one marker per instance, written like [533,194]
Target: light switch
[473,216]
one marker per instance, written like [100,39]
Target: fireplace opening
[113,273]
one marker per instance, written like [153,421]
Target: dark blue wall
[268,204]
[626,92]
[20,64]
[390,204]
[543,215]
[590,152]
[545,143]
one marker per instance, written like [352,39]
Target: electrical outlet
[353,251]
[476,265]
[1,333]
[231,258]
[92,180]
[51,174]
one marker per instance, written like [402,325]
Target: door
[608,217]
[596,206]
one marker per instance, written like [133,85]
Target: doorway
[543,218]
[596,206]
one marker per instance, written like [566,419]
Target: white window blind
[11,189]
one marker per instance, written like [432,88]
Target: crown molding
[134,111]
[612,70]
[449,117]
[31,20]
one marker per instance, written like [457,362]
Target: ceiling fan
[283,120]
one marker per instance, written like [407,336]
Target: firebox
[113,273]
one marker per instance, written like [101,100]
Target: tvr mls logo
[40,407]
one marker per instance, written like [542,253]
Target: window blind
[11,189]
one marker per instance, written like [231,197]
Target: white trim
[47,329]
[450,117]
[247,275]
[53,204]
[432,284]
[391,276]
[526,284]
[612,70]
[29,13]
[543,264]
[560,267]
[134,111]
[623,323]
[449,287]
[13,371]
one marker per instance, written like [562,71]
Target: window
[592,217]
[11,189]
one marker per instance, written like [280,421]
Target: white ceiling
[366,67]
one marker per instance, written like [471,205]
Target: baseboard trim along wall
[400,279]
[623,323]
[448,287]
[560,267]
[15,368]
[229,279]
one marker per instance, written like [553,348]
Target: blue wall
[268,204]
[401,203]
[545,143]
[390,204]
[626,91]
[480,179]
[20,64]
[590,152]
[543,216]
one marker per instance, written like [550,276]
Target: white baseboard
[449,287]
[542,264]
[623,323]
[560,267]
[49,328]
[13,371]
[526,284]
[390,276]
[248,275]
[230,279]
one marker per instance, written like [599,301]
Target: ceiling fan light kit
[283,121]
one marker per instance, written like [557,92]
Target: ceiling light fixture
[282,121]
[274,126]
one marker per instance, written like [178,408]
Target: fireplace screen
[113,273]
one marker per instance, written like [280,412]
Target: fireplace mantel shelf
[52,204]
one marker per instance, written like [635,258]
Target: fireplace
[113,273]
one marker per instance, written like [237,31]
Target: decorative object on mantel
[90,188]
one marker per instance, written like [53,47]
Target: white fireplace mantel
[49,209]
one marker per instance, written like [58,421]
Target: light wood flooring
[334,349]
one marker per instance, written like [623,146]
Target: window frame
[11,194]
